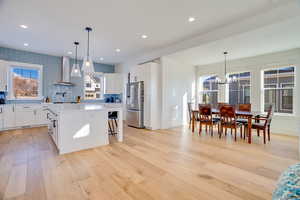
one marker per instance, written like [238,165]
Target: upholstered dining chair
[206,118]
[229,120]
[219,105]
[245,108]
[263,126]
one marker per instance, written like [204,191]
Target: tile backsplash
[59,93]
[113,98]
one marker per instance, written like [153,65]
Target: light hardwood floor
[167,164]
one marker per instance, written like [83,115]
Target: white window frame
[12,65]
[263,89]
[201,91]
[101,74]
[227,86]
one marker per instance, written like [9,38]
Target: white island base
[84,126]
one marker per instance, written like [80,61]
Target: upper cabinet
[138,73]
[113,83]
[3,76]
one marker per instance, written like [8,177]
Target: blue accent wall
[51,67]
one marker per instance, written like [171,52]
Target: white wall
[178,86]
[281,124]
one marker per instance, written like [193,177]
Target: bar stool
[112,123]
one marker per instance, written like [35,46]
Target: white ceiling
[55,24]
[272,38]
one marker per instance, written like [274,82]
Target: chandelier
[227,79]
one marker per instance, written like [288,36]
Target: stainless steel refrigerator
[135,104]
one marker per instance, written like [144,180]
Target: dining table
[239,114]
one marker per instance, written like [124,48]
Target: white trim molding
[11,65]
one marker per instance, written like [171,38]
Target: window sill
[282,115]
[94,99]
[26,99]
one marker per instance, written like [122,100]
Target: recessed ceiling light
[69,52]
[118,50]
[191,19]
[144,36]
[26,44]
[23,26]
[101,59]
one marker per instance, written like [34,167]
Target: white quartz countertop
[58,108]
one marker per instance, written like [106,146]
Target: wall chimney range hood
[65,73]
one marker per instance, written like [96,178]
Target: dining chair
[220,104]
[229,120]
[263,126]
[206,118]
[190,108]
[246,108]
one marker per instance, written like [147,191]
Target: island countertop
[58,108]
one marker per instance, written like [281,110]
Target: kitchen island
[75,127]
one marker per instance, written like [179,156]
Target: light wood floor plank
[17,182]
[166,164]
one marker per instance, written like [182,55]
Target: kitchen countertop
[59,108]
[65,105]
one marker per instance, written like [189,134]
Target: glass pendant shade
[88,65]
[75,71]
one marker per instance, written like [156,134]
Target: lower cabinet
[24,115]
[9,117]
[40,116]
[14,116]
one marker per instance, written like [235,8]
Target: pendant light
[76,69]
[88,65]
[227,79]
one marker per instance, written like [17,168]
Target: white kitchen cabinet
[24,115]
[30,115]
[20,115]
[138,73]
[3,76]
[40,116]
[113,83]
[9,116]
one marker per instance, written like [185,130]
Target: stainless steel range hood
[65,73]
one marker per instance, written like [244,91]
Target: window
[25,82]
[239,89]
[209,90]
[93,86]
[279,89]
